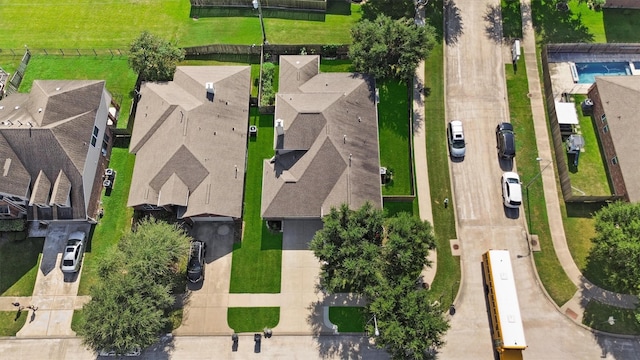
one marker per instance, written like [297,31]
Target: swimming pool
[587,72]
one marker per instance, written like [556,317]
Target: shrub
[13,225]
[268,92]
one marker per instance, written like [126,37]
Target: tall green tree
[382,258]
[617,245]
[153,58]
[387,48]
[348,246]
[129,307]
[394,9]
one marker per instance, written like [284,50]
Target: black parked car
[506,140]
[195,268]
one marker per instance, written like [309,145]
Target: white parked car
[455,138]
[73,250]
[511,190]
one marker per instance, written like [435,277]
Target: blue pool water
[587,72]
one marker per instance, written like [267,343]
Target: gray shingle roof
[329,152]
[184,139]
[46,133]
[619,95]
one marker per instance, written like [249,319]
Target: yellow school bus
[506,324]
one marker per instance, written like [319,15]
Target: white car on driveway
[511,190]
[73,250]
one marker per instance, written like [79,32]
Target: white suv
[73,251]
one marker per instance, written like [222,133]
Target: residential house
[190,141]
[616,116]
[326,143]
[54,145]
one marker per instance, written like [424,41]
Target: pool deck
[562,80]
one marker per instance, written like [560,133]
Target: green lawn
[590,177]
[581,24]
[120,78]
[445,284]
[394,117]
[257,259]
[252,319]
[596,316]
[553,277]
[77,320]
[10,324]
[19,262]
[116,221]
[348,318]
[114,24]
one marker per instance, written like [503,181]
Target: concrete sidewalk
[586,290]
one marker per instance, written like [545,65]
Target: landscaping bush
[268,92]
[13,225]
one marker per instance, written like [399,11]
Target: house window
[614,160]
[105,144]
[603,118]
[4,209]
[605,129]
[94,137]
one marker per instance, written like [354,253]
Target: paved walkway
[586,290]
[420,158]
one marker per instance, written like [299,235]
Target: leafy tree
[347,246]
[129,306]
[410,328]
[387,48]
[382,258]
[154,58]
[394,9]
[617,245]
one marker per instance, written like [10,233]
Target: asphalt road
[476,94]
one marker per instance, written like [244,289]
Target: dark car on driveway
[195,267]
[506,141]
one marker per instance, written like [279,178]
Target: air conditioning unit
[107,183]
[108,172]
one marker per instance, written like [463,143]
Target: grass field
[393,128]
[11,323]
[348,318]
[19,266]
[252,319]
[596,316]
[114,24]
[119,77]
[256,264]
[590,177]
[581,24]
[551,273]
[445,284]
[116,221]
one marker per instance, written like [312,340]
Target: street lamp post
[376,332]
[538,159]
[258,6]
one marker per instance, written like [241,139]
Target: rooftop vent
[280,127]
[210,90]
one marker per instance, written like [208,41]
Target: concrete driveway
[205,310]
[55,293]
[476,95]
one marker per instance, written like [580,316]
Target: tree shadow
[556,26]
[453,23]
[493,26]
[512,20]
[346,347]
